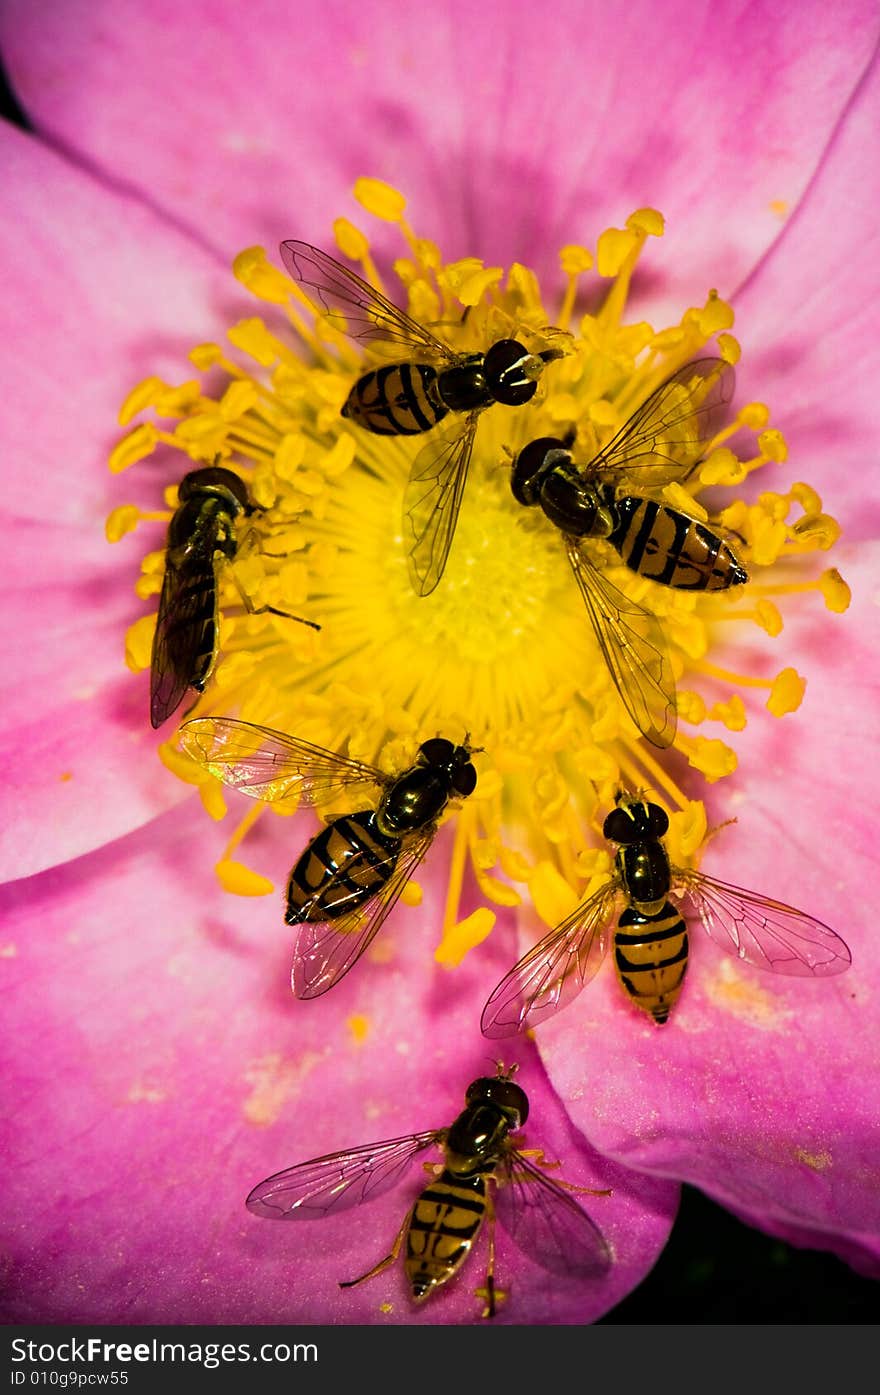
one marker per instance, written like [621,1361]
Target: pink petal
[99,295]
[161,1068]
[763,1090]
[511,137]
[808,327]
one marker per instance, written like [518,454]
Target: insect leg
[269,609]
[541,1161]
[383,1263]
[489,1291]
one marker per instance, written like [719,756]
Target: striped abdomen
[444,1224]
[348,862]
[669,547]
[650,955]
[398,400]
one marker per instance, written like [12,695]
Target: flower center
[502,649]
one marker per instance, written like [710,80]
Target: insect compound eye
[658,820]
[464,778]
[214,479]
[506,1096]
[437,751]
[634,822]
[620,827]
[505,368]
[532,464]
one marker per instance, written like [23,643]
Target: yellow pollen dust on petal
[502,652]
[359,1026]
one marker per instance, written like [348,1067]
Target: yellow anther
[380,199]
[731,713]
[787,692]
[463,937]
[205,356]
[612,250]
[140,397]
[647,220]
[253,269]
[139,643]
[818,531]
[713,759]
[678,498]
[754,415]
[575,260]
[121,521]
[835,592]
[552,896]
[137,445]
[768,617]
[240,880]
[722,467]
[254,339]
[773,445]
[474,287]
[351,242]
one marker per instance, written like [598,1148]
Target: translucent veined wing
[185,638]
[267,764]
[765,933]
[634,648]
[546,1222]
[672,427]
[356,308]
[432,501]
[337,1181]
[554,970]
[326,950]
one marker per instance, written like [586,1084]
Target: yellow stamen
[503,648]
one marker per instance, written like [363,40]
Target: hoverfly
[442,1226]
[201,535]
[415,395]
[666,435]
[349,877]
[650,938]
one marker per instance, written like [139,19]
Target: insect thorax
[417,798]
[644,868]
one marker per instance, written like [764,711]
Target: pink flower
[159,1065]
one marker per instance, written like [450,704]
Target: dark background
[714,1269]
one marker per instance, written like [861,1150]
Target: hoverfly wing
[672,427]
[554,970]
[354,307]
[634,648]
[326,950]
[337,1181]
[186,632]
[765,933]
[432,501]
[547,1223]
[267,764]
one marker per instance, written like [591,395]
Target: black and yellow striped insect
[343,886]
[416,395]
[484,1174]
[666,438]
[201,538]
[650,938]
